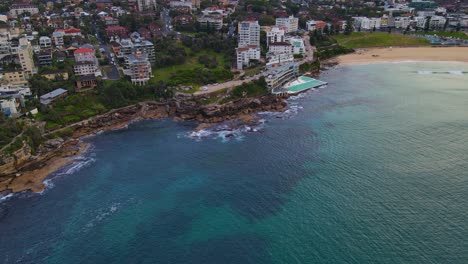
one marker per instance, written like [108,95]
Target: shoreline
[31,176]
[403,54]
[59,153]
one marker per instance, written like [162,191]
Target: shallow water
[371,169]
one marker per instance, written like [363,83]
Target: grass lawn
[253,71]
[165,73]
[378,39]
[460,35]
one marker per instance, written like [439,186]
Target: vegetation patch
[251,89]
[357,40]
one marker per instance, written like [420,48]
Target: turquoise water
[371,169]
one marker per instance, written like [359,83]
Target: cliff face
[24,162]
[231,110]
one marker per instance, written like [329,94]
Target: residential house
[53,96]
[86,81]
[44,58]
[57,37]
[45,42]
[116,31]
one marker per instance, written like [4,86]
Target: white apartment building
[437,22]
[57,37]
[246,54]
[275,34]
[365,23]
[280,48]
[5,48]
[140,68]
[214,21]
[279,58]
[25,55]
[419,22]
[45,42]
[84,68]
[311,25]
[127,47]
[402,22]
[86,62]
[146,5]
[290,23]
[297,45]
[19,9]
[249,33]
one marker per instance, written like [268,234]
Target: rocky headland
[26,169]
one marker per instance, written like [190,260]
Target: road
[114,73]
[309,57]
[166,18]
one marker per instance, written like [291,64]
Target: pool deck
[301,84]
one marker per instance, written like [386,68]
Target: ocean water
[371,169]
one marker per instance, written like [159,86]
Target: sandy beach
[377,55]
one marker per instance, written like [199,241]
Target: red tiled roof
[83,50]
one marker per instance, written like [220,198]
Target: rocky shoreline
[26,171]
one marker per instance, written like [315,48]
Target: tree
[427,23]
[349,27]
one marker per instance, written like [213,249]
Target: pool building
[286,79]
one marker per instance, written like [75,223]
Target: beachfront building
[246,54]
[249,33]
[402,22]
[278,77]
[297,45]
[140,68]
[365,23]
[274,59]
[437,22]
[291,23]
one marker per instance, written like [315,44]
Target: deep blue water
[371,169]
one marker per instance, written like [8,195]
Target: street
[113,74]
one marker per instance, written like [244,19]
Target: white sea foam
[6,197]
[102,214]
[424,72]
[455,72]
